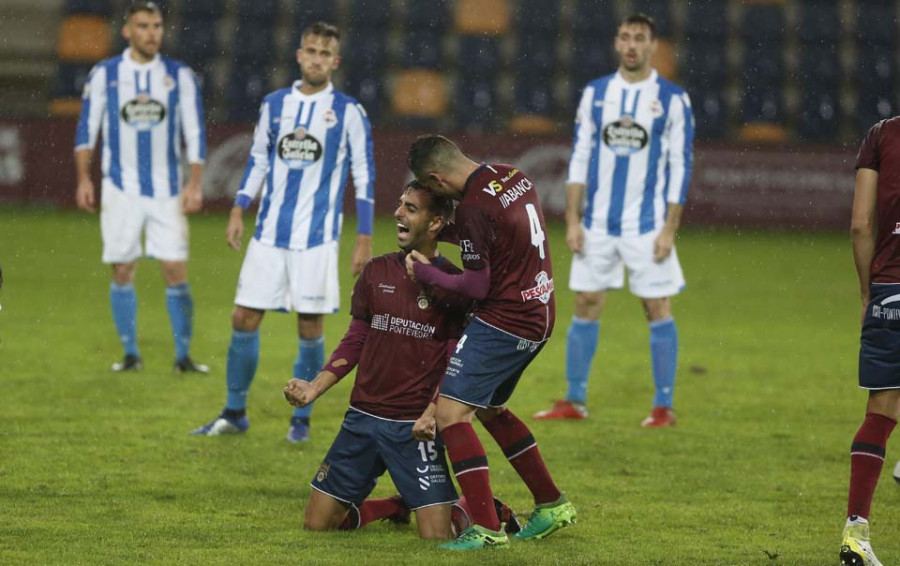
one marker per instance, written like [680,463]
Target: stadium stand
[819,70]
[876,63]
[706,66]
[593,29]
[536,62]
[762,72]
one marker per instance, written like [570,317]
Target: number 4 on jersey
[537,233]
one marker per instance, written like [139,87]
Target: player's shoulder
[108,63]
[277,95]
[668,87]
[384,262]
[600,82]
[888,125]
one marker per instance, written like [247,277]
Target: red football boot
[563,410]
[659,417]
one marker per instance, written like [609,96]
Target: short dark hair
[142,6]
[438,205]
[640,18]
[428,153]
[322,29]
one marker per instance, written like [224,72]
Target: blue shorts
[487,365]
[879,344]
[366,446]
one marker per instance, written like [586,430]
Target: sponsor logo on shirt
[508,195]
[142,113]
[168,82]
[299,149]
[387,289]
[402,326]
[330,118]
[625,136]
[879,310]
[323,472]
[896,228]
[542,291]
[468,251]
[656,108]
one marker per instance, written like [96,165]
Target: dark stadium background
[782,90]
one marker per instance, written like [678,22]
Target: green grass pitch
[97,468]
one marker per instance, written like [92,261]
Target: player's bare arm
[362,252]
[665,241]
[85,196]
[574,229]
[301,393]
[192,194]
[234,232]
[862,227]
[425,426]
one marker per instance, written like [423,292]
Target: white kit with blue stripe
[304,147]
[144,109]
[633,152]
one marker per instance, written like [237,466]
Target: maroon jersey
[405,354]
[881,151]
[501,225]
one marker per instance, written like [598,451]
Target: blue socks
[181,314]
[310,359]
[581,343]
[243,355]
[664,353]
[124,310]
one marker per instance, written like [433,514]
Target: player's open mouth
[401,229]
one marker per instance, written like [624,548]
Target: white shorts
[279,279]
[123,219]
[602,265]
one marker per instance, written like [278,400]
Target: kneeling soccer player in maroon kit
[399,338]
[875,234]
[506,259]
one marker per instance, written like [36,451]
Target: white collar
[126,56]
[295,90]
[640,84]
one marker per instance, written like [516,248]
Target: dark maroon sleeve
[349,351]
[473,284]
[475,235]
[867,158]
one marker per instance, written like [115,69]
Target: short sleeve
[868,158]
[475,236]
[359,300]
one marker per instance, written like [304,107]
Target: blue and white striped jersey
[303,148]
[143,109]
[633,152]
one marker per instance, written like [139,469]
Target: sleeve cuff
[365,211]
[243,201]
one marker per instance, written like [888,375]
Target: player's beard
[316,80]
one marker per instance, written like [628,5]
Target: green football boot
[548,518]
[477,537]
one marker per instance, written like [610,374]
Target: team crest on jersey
[625,136]
[656,108]
[542,291]
[299,149]
[423,301]
[323,472]
[142,113]
[330,118]
[168,82]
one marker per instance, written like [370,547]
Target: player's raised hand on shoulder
[425,428]
[663,245]
[575,237]
[411,258]
[299,393]
[362,252]
[84,195]
[234,232]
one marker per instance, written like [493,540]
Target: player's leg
[121,224]
[654,283]
[180,306]
[664,358]
[314,292]
[324,513]
[867,455]
[434,521]
[310,359]
[594,271]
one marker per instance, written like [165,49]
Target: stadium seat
[264,12]
[84,39]
[246,88]
[590,60]
[70,80]
[819,21]
[595,21]
[706,19]
[664,60]
[479,56]
[476,103]
[423,47]
[873,106]
[763,22]
[660,11]
[534,95]
[536,54]
[764,132]
[482,17]
[876,70]
[419,93]
[710,113]
[433,15]
[706,62]
[65,107]
[820,113]
[373,14]
[538,17]
[876,22]
[93,7]
[197,41]
[252,43]
[309,12]
[531,124]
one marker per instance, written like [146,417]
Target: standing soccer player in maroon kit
[507,270]
[399,338]
[876,250]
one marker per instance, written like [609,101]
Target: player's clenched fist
[299,393]
[424,428]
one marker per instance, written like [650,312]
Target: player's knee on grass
[434,522]
[246,319]
[323,513]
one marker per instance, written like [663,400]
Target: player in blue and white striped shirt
[308,139]
[144,104]
[632,154]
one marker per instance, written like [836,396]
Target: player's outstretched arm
[85,196]
[301,393]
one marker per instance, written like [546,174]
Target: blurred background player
[633,153]
[307,138]
[507,269]
[144,104]
[390,424]
[876,252]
